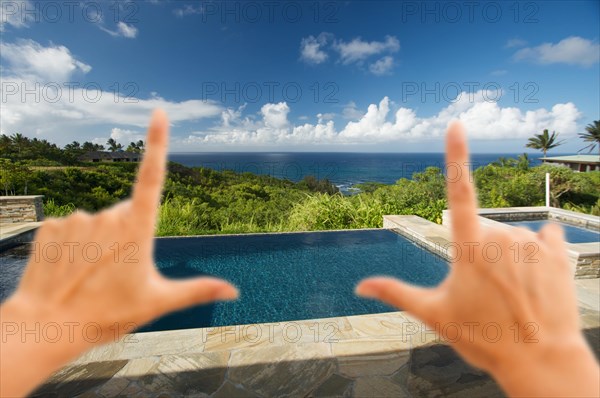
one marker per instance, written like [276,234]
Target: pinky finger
[553,235]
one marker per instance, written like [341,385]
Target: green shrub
[51,209]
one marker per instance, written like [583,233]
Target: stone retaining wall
[588,266]
[522,216]
[15,209]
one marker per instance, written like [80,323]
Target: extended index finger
[151,175]
[462,199]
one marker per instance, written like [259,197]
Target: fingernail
[227,293]
[366,291]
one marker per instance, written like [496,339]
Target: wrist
[551,369]
[26,358]
[38,328]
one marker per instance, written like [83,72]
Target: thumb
[415,300]
[180,294]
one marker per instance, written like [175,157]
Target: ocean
[343,169]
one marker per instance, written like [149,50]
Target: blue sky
[301,76]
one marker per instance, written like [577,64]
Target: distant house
[118,156]
[576,162]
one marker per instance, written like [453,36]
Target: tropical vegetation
[113,145]
[592,135]
[544,142]
[204,201]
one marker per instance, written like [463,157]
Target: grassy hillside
[205,201]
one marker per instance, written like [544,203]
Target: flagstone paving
[376,355]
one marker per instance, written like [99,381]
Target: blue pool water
[573,234]
[294,276]
[281,277]
[12,264]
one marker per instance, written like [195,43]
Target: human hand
[104,274]
[527,295]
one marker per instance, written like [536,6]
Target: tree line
[200,200]
[41,152]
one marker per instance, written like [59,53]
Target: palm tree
[19,141]
[4,139]
[5,142]
[113,146]
[140,146]
[592,134]
[544,141]
[132,147]
[73,146]
[91,147]
[136,147]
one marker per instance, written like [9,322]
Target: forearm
[566,370]
[30,351]
[23,366]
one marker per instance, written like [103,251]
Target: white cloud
[382,66]
[483,118]
[231,116]
[358,49]
[49,64]
[351,112]
[37,98]
[314,50]
[125,136]
[272,128]
[573,50]
[123,30]
[311,49]
[12,14]
[275,115]
[326,116]
[499,72]
[512,43]
[188,10]
[74,109]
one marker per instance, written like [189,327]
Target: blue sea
[343,169]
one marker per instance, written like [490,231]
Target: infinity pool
[281,277]
[573,234]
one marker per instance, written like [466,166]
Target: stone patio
[378,355]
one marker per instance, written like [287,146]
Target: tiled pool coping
[384,355]
[267,233]
[14,234]
[539,213]
[276,359]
